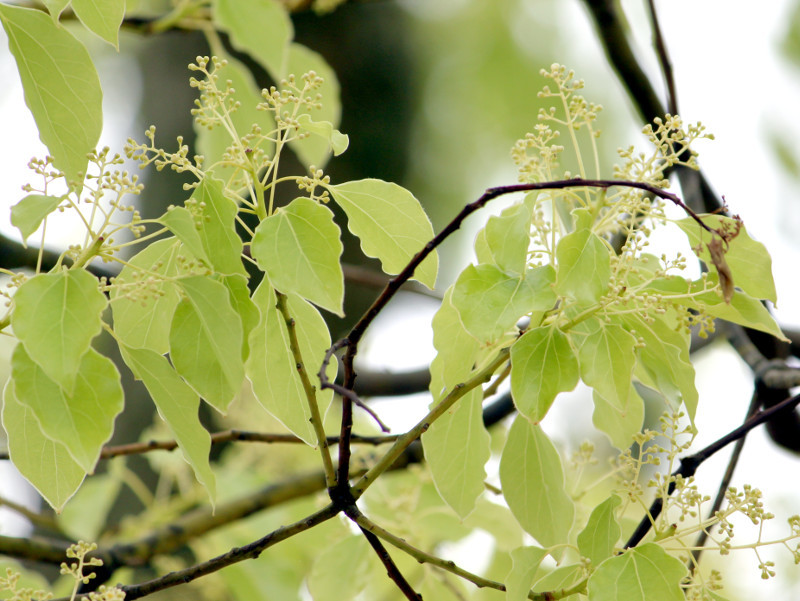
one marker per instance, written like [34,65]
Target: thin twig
[391,568]
[663,60]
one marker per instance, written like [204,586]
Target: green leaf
[491,301]
[55,8]
[584,266]
[748,260]
[144,296]
[619,424]
[46,464]
[607,358]
[390,223]
[299,247]
[205,341]
[261,28]
[27,215]
[177,405]
[55,316]
[339,572]
[241,302]
[498,521]
[102,17]
[644,573]
[543,364]
[525,563]
[599,538]
[271,367]
[186,227]
[533,484]
[505,239]
[457,349]
[217,216]
[316,150]
[456,449]
[83,420]
[213,143]
[61,86]
[561,578]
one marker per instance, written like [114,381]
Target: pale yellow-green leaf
[177,405]
[186,228]
[241,302]
[644,573]
[205,341]
[102,17]
[543,364]
[561,578]
[390,223]
[607,358]
[583,266]
[61,86]
[619,424]
[217,217]
[600,535]
[498,521]
[525,563]
[299,248]
[56,7]
[505,239]
[532,479]
[456,449]
[457,349]
[56,316]
[336,140]
[46,464]
[339,572]
[83,420]
[27,215]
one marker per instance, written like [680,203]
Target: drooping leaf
[316,150]
[46,464]
[533,484]
[142,302]
[271,367]
[55,316]
[749,261]
[348,556]
[299,247]
[619,424]
[644,573]
[177,405]
[82,420]
[457,349]
[584,265]
[607,358]
[505,239]
[525,563]
[27,215]
[543,364]
[241,302]
[456,449]
[55,8]
[61,86]
[599,538]
[102,17]
[261,28]
[217,217]
[390,223]
[491,301]
[205,341]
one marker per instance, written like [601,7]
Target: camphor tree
[223,298]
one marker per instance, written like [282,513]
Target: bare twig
[663,60]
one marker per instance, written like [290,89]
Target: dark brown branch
[391,568]
[663,59]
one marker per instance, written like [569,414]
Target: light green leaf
[241,302]
[177,405]
[498,521]
[599,538]
[390,223]
[584,266]
[316,150]
[644,573]
[748,260]
[561,578]
[144,297]
[491,301]
[298,247]
[619,425]
[505,239]
[533,484]
[261,28]
[61,86]
[607,358]
[271,367]
[456,449]
[349,556]
[55,8]
[27,215]
[457,349]
[55,316]
[186,227]
[336,140]
[525,563]
[543,364]
[46,464]
[213,143]
[205,341]
[82,421]
[102,17]
[217,217]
